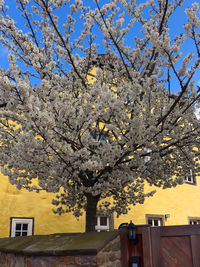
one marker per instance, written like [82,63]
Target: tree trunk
[91,211]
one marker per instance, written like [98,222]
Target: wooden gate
[165,246]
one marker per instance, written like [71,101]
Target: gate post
[147,247]
[124,247]
[139,254]
[155,242]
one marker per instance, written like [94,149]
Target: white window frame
[159,220]
[194,220]
[189,178]
[100,227]
[153,218]
[19,220]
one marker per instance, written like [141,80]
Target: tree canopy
[88,104]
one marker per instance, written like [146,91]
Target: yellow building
[27,213]
[24,212]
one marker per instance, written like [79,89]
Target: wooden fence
[164,246]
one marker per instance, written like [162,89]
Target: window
[21,227]
[102,224]
[147,158]
[190,177]
[155,220]
[194,220]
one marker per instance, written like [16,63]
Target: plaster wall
[179,202]
[21,203]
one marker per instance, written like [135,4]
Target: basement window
[21,226]
[155,220]
[194,220]
[190,178]
[102,224]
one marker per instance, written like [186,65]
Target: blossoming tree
[94,128]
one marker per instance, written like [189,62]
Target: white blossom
[96,128]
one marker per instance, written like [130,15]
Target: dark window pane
[18,226]
[25,226]
[103,221]
[194,222]
[17,233]
[150,221]
[24,233]
[155,222]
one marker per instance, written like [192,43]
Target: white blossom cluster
[97,127]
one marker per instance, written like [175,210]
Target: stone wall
[108,256]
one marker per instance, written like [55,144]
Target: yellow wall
[179,202]
[21,203]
